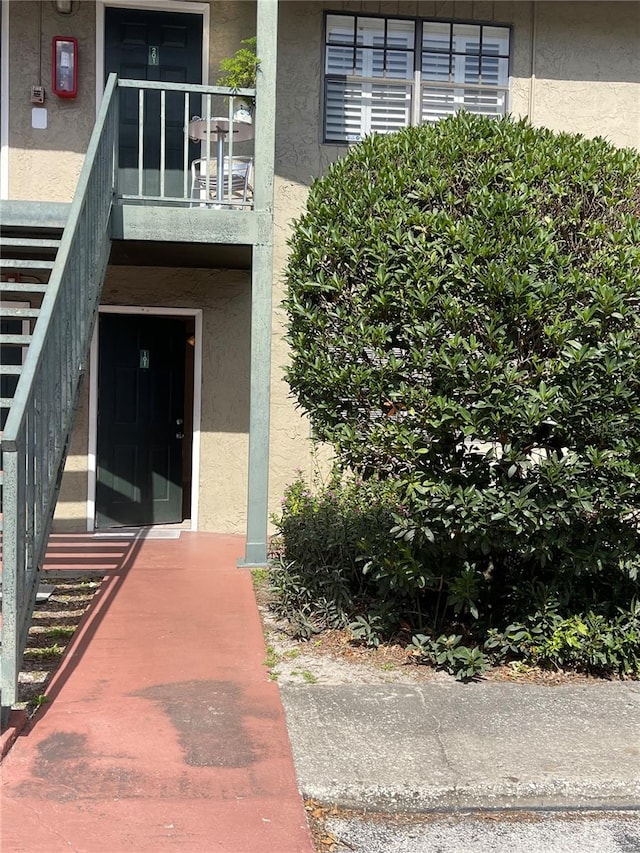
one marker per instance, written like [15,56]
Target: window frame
[416,82]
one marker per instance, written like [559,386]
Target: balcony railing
[184,145]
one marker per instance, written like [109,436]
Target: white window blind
[368,85]
[374,74]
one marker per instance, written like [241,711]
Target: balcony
[186,168]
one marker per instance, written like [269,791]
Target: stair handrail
[36,434]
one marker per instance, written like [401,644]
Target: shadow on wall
[225,299]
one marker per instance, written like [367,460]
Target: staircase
[28,255]
[52,275]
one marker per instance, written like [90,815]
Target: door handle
[179,435]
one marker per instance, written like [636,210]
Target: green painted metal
[35,439]
[259,403]
[28,243]
[189,225]
[265,114]
[24,313]
[21,287]
[15,340]
[41,214]
[196,88]
[22,264]
[261,288]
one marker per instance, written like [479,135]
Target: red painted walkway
[163,731]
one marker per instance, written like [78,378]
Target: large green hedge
[464,320]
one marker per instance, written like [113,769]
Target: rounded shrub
[463,307]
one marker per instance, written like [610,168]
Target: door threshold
[160,531]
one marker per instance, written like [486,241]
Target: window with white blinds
[382,74]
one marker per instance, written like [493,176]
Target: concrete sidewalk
[401,748]
[163,730]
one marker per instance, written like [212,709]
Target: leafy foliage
[447,652]
[464,321]
[336,564]
[586,641]
[320,573]
[463,312]
[240,70]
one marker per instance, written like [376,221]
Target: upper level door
[160,46]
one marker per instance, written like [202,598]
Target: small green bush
[588,642]
[321,572]
[448,653]
[336,564]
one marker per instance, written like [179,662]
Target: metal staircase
[48,314]
[28,255]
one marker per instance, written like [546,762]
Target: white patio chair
[204,182]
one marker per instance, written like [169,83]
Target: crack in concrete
[51,828]
[440,741]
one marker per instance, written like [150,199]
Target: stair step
[22,287]
[15,340]
[10,369]
[24,313]
[29,243]
[21,264]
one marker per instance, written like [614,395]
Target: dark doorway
[141,420]
[157,46]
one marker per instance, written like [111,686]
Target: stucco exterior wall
[45,164]
[574,67]
[587,69]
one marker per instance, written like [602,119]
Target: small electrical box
[37,94]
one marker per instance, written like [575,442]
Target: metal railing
[36,435]
[167,127]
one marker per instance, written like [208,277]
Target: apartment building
[145,216]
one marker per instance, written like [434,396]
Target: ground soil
[53,625]
[333,657]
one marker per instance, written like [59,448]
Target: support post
[261,288]
[258,485]
[13,583]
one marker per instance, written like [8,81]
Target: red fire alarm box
[64,75]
